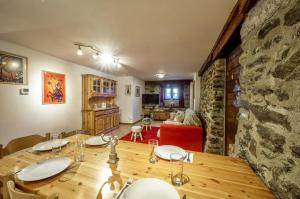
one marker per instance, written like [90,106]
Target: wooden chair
[15,192]
[71,133]
[68,134]
[23,143]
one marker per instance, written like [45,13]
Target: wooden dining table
[208,176]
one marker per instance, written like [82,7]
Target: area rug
[147,135]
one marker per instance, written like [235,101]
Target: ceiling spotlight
[160,75]
[107,58]
[96,55]
[79,51]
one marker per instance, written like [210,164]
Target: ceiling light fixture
[106,57]
[79,51]
[96,55]
[160,75]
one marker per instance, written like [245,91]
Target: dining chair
[68,134]
[16,193]
[23,143]
[1,151]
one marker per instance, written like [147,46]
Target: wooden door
[99,124]
[232,81]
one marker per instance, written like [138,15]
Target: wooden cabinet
[161,115]
[98,91]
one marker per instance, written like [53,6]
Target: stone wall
[268,136]
[212,106]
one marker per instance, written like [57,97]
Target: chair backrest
[17,194]
[68,134]
[22,143]
[1,151]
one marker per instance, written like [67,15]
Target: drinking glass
[79,148]
[176,161]
[152,145]
[56,143]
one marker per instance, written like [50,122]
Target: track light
[79,51]
[106,57]
[96,55]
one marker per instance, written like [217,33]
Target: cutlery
[188,158]
[127,184]
[184,196]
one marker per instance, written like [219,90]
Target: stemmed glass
[152,143]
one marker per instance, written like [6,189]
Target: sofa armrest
[187,137]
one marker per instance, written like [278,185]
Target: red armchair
[186,137]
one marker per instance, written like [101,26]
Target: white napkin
[191,158]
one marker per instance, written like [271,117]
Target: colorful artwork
[13,68]
[54,88]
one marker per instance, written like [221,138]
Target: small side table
[136,131]
[147,123]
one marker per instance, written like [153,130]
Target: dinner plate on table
[44,169]
[95,141]
[150,188]
[164,151]
[46,146]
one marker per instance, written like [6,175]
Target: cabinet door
[108,122]
[99,124]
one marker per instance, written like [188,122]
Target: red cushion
[186,137]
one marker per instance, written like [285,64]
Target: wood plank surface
[210,176]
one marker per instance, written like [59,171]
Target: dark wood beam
[236,17]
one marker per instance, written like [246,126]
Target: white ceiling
[149,36]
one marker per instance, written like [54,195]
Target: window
[172,93]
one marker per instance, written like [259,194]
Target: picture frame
[137,91]
[128,90]
[53,88]
[13,68]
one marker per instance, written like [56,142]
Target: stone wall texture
[212,106]
[268,136]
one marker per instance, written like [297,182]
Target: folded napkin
[191,158]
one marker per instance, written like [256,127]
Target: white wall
[24,114]
[196,92]
[130,106]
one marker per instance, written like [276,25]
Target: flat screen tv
[150,98]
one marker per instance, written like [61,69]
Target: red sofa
[186,137]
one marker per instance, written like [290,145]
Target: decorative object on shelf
[113,142]
[105,57]
[128,90]
[13,68]
[54,88]
[137,91]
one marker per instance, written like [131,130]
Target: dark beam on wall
[236,17]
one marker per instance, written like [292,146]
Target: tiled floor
[126,128]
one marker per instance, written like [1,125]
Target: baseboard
[132,122]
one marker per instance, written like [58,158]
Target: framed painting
[128,90]
[54,88]
[13,68]
[137,91]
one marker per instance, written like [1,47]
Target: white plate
[46,146]
[165,151]
[95,141]
[150,188]
[44,169]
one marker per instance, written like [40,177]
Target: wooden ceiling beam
[236,17]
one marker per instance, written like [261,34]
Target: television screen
[150,98]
